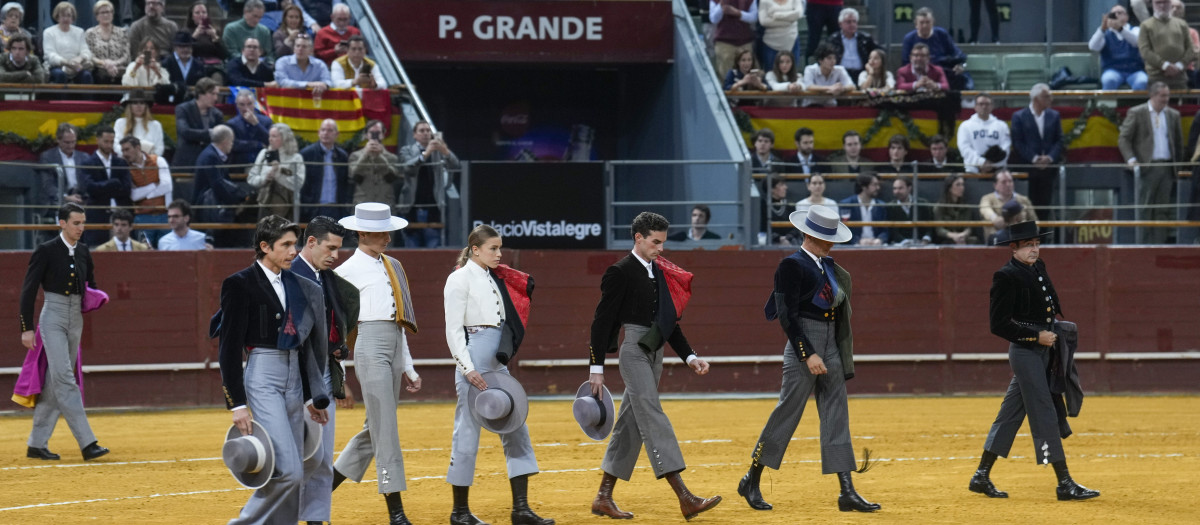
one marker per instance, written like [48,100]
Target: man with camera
[355,70]
[374,169]
[426,162]
[333,41]
[1120,60]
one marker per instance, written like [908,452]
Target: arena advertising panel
[561,204]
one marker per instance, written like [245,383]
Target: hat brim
[798,219]
[258,479]
[1002,240]
[598,432]
[516,418]
[392,224]
[313,434]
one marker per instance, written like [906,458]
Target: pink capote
[33,371]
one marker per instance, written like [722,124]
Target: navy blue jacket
[1027,143]
[195,73]
[210,170]
[878,213]
[314,169]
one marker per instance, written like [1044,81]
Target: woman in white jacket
[779,18]
[278,172]
[476,307]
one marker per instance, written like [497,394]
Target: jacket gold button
[1047,308]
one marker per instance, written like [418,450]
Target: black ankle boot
[338,478]
[395,509]
[748,487]
[981,482]
[461,513]
[1067,488]
[849,500]
[521,513]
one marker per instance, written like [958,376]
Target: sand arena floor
[1142,453]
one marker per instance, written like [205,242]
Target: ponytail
[464,256]
[478,236]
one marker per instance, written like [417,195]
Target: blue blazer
[878,213]
[210,170]
[1027,143]
[314,169]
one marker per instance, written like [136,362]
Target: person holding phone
[373,169]
[428,162]
[1117,42]
[145,71]
[355,70]
[745,76]
[278,172]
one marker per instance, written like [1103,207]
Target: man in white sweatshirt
[981,132]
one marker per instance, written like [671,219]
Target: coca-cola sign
[530,31]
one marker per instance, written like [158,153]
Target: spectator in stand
[764,160]
[249,70]
[427,162]
[63,160]
[154,26]
[207,47]
[897,156]
[953,207]
[778,18]
[906,206]
[825,77]
[807,160]
[1166,47]
[152,184]
[778,211]
[373,169]
[993,20]
[194,123]
[734,29]
[333,41]
[215,188]
[251,129]
[182,237]
[183,69]
[1151,137]
[328,181]
[852,46]
[302,70]
[109,45]
[919,75]
[278,173]
[1179,11]
[66,50]
[248,27]
[122,226]
[783,77]
[1037,141]
[1120,60]
[699,229]
[18,66]
[139,122]
[942,51]
[863,206]
[276,17]
[992,206]
[145,70]
[846,161]
[355,70]
[875,77]
[11,15]
[939,155]
[822,18]
[816,195]
[745,77]
[284,38]
[104,179]
[321,10]
[977,136]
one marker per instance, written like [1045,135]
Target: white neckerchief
[70,247]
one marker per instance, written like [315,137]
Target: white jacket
[976,135]
[471,298]
[780,23]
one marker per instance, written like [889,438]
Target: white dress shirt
[276,279]
[162,188]
[68,162]
[1162,142]
[338,74]
[375,300]
[70,247]
[107,162]
[1039,119]
[471,299]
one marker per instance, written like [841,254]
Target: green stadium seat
[1023,70]
[985,71]
[1080,64]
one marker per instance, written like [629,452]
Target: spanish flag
[302,110]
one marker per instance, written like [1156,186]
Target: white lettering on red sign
[488,27]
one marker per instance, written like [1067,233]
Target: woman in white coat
[278,172]
[779,18]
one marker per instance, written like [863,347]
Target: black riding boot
[395,509]
[461,514]
[338,478]
[849,500]
[521,513]
[748,487]
[1067,488]
[981,482]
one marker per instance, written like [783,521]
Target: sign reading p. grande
[614,31]
[539,204]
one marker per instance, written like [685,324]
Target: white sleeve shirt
[471,299]
[375,299]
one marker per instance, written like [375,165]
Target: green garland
[1091,108]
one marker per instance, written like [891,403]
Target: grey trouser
[61,324]
[837,453]
[316,495]
[1028,394]
[518,449]
[641,420]
[276,402]
[1157,182]
[379,366]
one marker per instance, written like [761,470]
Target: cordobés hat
[313,432]
[821,222]
[503,407]
[595,414]
[250,458]
[1020,231]
[373,217]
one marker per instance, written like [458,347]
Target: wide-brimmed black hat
[503,407]
[995,154]
[1021,231]
[138,96]
[595,414]
[183,38]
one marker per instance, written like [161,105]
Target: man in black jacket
[851,39]
[632,295]
[194,121]
[62,267]
[104,179]
[326,182]
[1022,311]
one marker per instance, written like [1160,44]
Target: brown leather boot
[690,504]
[603,505]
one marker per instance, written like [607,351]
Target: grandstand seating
[985,71]
[1080,65]
[1023,70]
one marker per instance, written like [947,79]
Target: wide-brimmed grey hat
[313,432]
[503,407]
[373,217]
[821,222]
[595,414]
[250,458]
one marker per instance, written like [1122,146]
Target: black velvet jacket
[1023,302]
[627,295]
[54,270]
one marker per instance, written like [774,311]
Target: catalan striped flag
[302,111]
